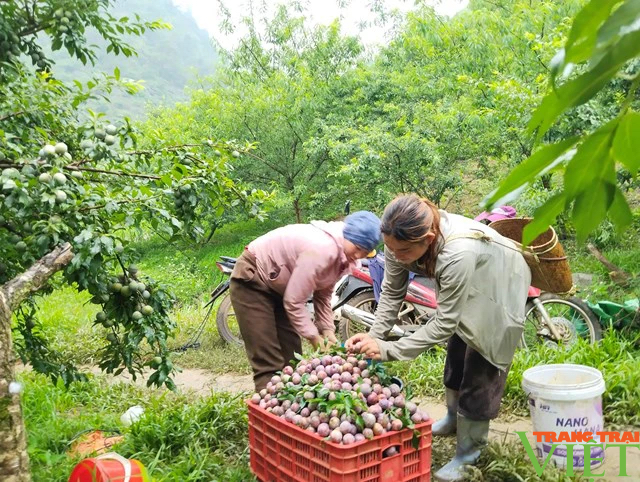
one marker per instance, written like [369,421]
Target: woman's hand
[364,344]
[330,337]
[323,342]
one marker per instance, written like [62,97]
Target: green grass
[508,462]
[178,439]
[66,320]
[499,462]
[617,357]
[213,354]
[189,270]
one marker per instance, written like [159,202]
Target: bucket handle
[126,463]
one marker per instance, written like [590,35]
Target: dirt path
[502,429]
[194,380]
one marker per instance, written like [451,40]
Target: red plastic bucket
[110,467]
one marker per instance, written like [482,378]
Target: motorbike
[549,318]
[361,294]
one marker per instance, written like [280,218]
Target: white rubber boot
[472,437]
[448,424]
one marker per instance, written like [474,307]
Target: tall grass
[509,463]
[189,270]
[178,438]
[204,440]
[66,320]
[617,357]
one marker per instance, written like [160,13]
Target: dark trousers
[269,339]
[481,385]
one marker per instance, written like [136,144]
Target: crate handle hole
[391,451]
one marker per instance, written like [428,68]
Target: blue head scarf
[362,228]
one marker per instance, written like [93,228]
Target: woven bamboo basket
[545,256]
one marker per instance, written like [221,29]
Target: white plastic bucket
[565,398]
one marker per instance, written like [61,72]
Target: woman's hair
[410,218]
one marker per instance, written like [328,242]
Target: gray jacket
[481,285]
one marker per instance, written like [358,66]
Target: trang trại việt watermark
[621,440]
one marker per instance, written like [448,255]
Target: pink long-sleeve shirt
[300,260]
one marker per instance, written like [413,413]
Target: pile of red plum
[342,398]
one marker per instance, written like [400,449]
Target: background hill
[167,60]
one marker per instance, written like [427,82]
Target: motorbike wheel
[366,301]
[227,323]
[570,316]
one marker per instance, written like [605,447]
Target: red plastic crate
[283,452]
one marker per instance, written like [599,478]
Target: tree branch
[124,201]
[453,196]
[170,148]
[71,167]
[75,167]
[12,114]
[32,280]
[34,29]
[272,166]
[295,133]
[319,165]
[617,275]
[246,124]
[255,57]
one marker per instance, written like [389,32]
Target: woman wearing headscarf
[278,272]
[482,282]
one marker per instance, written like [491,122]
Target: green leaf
[116,73]
[542,160]
[153,378]
[625,16]
[581,89]
[543,217]
[359,423]
[619,212]
[166,179]
[626,144]
[178,171]
[582,38]
[163,376]
[591,161]
[107,242]
[415,439]
[591,206]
